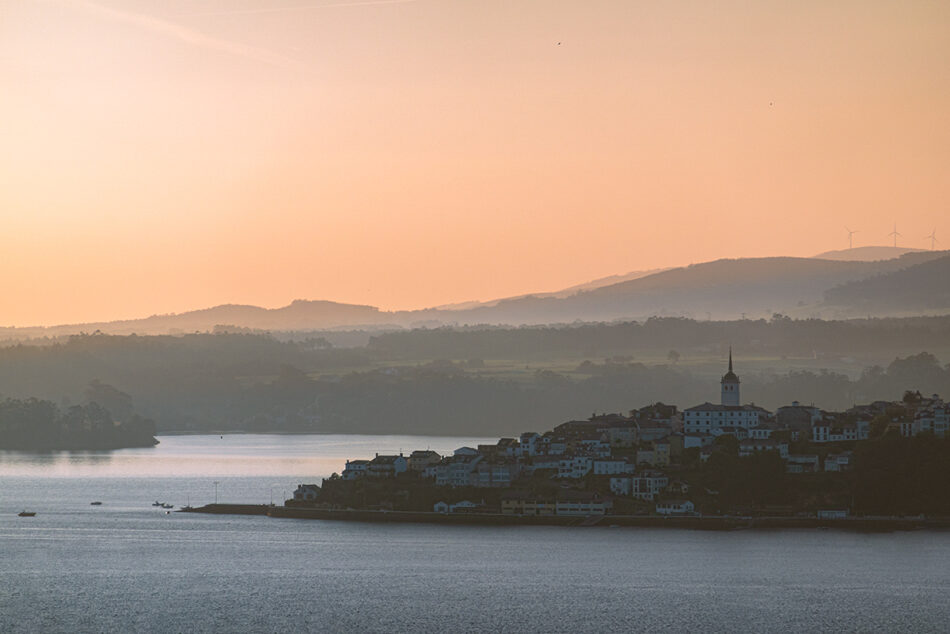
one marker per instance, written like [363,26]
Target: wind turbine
[850,233]
[933,239]
[895,234]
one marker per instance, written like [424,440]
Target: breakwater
[861,524]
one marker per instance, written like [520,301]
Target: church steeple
[730,385]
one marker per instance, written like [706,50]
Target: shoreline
[713,523]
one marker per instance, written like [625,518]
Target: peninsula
[879,460]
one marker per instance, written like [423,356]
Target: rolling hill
[866,254]
[722,289]
[924,288]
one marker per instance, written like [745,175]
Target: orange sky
[160,156]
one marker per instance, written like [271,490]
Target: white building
[838,461]
[751,445]
[934,419]
[645,486]
[306,493]
[582,503]
[708,418]
[355,469]
[386,466]
[801,463]
[456,471]
[574,466]
[675,507]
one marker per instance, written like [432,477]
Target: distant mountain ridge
[721,289]
[866,254]
[924,287]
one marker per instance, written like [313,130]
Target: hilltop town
[713,458]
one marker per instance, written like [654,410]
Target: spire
[730,358]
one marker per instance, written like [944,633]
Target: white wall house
[675,507]
[838,461]
[751,446]
[645,486]
[575,466]
[612,466]
[705,418]
[355,469]
[306,493]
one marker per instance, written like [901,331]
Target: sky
[163,156]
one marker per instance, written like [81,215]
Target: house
[455,471]
[508,446]
[677,487]
[444,507]
[765,430]
[650,430]
[306,493]
[574,466]
[355,469]
[528,444]
[465,451]
[541,462]
[598,446]
[797,417]
[801,463]
[645,456]
[751,446]
[612,466]
[739,433]
[934,418]
[838,461]
[419,460]
[645,485]
[622,435]
[386,466]
[521,503]
[833,514]
[582,503]
[658,412]
[832,427]
[675,507]
[495,474]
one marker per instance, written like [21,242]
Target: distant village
[652,461]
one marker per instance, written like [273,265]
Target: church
[709,417]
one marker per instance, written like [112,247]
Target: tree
[673,356]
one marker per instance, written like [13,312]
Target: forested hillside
[484,380]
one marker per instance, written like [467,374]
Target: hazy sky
[159,156]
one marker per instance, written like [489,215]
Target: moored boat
[26,513]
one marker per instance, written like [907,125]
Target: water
[127,566]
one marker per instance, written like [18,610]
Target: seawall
[861,524]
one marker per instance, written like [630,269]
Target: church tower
[730,385]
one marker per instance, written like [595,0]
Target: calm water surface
[127,566]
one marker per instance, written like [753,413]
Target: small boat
[156,503]
[95,503]
[168,506]
[27,513]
